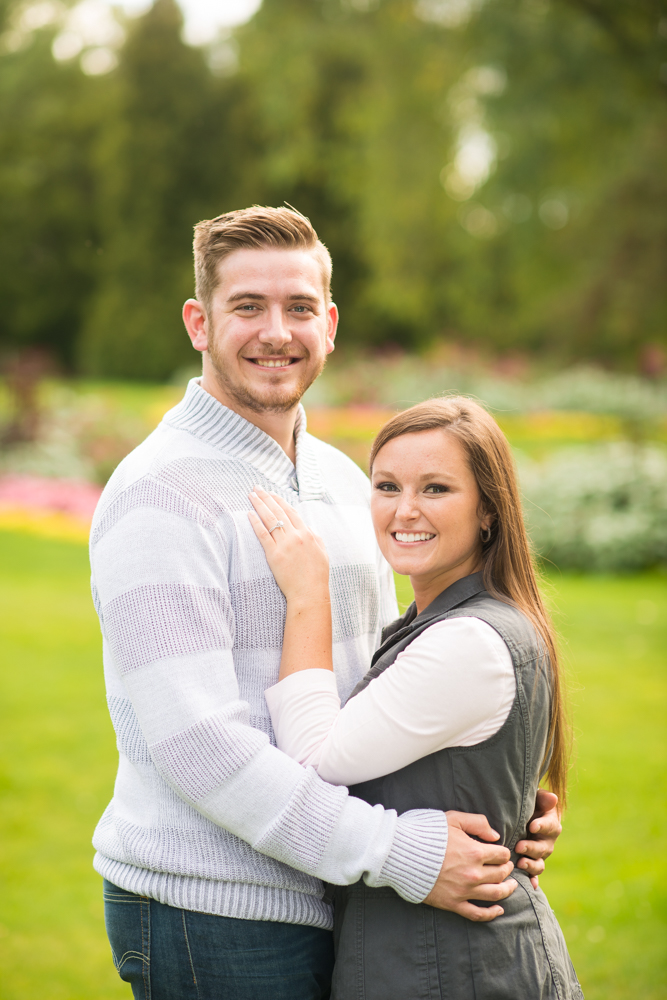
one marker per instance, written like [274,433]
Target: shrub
[598,508]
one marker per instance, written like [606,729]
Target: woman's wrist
[300,601]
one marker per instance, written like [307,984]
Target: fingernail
[253,494]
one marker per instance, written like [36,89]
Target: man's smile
[273,362]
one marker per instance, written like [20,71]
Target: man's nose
[275,332]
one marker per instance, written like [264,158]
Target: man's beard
[281,401]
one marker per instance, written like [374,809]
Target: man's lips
[273,363]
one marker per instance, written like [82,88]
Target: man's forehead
[270,271]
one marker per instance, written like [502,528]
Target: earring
[485,535]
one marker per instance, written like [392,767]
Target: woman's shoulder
[511,624]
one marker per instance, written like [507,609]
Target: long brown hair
[508,565]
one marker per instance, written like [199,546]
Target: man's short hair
[256,228]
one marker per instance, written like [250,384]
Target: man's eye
[302,309]
[248,307]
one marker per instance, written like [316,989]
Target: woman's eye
[387,487]
[435,488]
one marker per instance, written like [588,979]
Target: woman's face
[426,510]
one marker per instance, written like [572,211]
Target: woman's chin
[405,566]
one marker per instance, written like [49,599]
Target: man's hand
[472,870]
[546,823]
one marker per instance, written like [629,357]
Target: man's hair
[256,228]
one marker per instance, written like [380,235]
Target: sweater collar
[202,415]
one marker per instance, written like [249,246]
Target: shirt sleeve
[453,686]
[159,579]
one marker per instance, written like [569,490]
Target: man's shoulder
[174,471]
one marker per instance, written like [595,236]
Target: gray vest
[388,949]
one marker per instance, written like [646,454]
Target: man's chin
[265,398]
[267,402]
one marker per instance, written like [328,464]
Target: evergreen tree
[165,160]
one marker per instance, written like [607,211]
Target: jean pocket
[128,922]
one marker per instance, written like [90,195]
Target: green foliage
[160,157]
[362,114]
[49,119]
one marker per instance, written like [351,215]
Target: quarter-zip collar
[202,415]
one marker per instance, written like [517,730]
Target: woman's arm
[453,686]
[298,560]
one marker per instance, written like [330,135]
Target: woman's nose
[406,509]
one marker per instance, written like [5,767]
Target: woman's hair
[508,567]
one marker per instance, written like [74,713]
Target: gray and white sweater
[207,814]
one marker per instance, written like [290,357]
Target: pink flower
[69,496]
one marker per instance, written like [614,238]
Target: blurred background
[491,179]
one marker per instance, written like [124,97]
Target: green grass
[606,881]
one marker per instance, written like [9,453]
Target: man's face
[269,328]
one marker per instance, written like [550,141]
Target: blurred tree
[488,171]
[378,106]
[165,160]
[49,117]
[583,117]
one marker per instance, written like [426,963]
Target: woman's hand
[296,556]
[299,562]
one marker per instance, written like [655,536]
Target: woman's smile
[412,537]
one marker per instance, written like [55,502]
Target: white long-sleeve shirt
[452,686]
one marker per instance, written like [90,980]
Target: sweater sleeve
[453,686]
[161,584]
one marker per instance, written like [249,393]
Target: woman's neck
[427,587]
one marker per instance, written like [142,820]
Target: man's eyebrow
[246,295]
[303,298]
[257,297]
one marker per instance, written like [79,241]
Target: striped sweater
[207,814]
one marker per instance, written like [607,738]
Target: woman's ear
[487,518]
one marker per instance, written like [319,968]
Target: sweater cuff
[416,856]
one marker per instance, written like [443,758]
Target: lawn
[606,882]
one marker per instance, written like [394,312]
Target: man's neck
[279,426]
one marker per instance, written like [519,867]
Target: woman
[461,708]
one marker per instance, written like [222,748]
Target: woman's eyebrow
[424,476]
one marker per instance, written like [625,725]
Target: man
[215,845]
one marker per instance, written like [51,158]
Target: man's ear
[196,323]
[332,326]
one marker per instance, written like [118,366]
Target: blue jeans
[171,954]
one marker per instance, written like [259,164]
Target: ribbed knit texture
[207,814]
